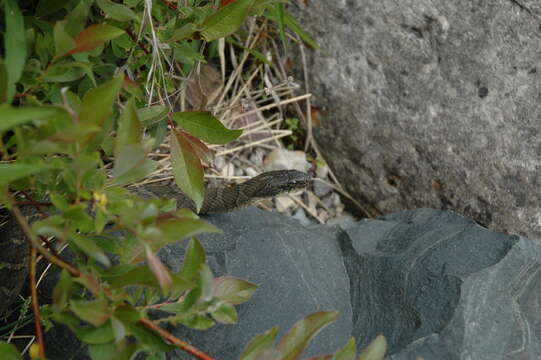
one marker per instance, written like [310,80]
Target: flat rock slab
[432,103]
[436,284]
[298,271]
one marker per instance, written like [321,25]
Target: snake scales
[14,248]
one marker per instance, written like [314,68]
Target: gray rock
[439,286]
[300,216]
[321,189]
[298,270]
[432,103]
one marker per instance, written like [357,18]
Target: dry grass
[254,96]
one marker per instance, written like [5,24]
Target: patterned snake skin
[14,249]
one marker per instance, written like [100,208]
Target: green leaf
[76,19]
[348,352]
[122,350]
[63,290]
[63,42]
[97,103]
[196,321]
[226,21]
[376,350]
[14,45]
[117,11]
[9,351]
[94,36]
[233,290]
[11,117]
[186,54]
[140,275]
[64,72]
[171,231]
[142,170]
[129,128]
[95,335]
[280,14]
[185,32]
[48,7]
[206,282]
[297,338]
[294,26]
[127,314]
[3,82]
[187,168]
[95,312]
[203,125]
[258,55]
[149,338]
[225,314]
[194,258]
[190,299]
[15,171]
[152,114]
[90,248]
[261,343]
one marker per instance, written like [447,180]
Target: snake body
[14,248]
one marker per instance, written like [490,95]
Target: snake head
[275,183]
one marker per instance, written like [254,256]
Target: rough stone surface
[13,266]
[436,284]
[439,286]
[298,271]
[432,103]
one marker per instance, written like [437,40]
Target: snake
[217,199]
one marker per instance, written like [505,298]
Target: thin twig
[25,227]
[35,303]
[174,340]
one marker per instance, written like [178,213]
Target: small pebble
[281,159]
[301,216]
[321,189]
[283,203]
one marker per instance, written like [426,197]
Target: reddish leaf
[132,87]
[187,168]
[63,289]
[226,2]
[202,151]
[159,270]
[294,342]
[93,36]
[262,343]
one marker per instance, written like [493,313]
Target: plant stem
[35,243]
[175,341]
[35,302]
